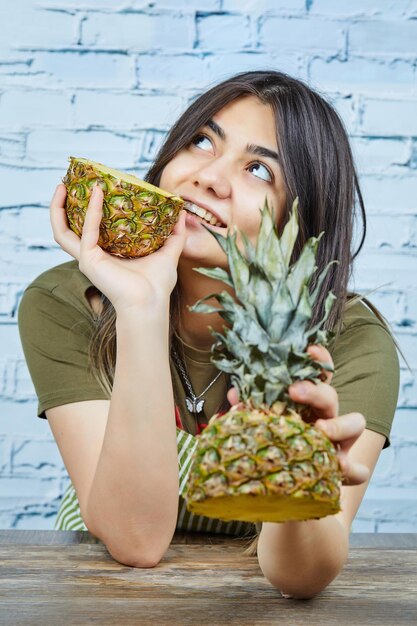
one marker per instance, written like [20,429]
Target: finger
[321,398]
[353,473]
[322,355]
[344,429]
[63,235]
[174,244]
[233,396]
[91,226]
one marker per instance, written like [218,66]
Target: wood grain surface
[68,578]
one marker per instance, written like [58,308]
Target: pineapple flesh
[262,461]
[137,216]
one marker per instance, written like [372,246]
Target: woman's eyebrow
[252,148]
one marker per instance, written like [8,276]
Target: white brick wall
[105,79]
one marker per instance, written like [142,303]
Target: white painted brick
[150,145]
[383,268]
[204,5]
[263,6]
[345,106]
[23,109]
[137,5]
[222,66]
[362,526]
[20,417]
[394,503]
[9,294]
[18,383]
[29,226]
[92,69]
[408,344]
[223,32]
[385,466]
[411,303]
[389,117]
[379,155]
[385,526]
[385,38]
[5,450]
[32,489]
[10,342]
[43,457]
[26,25]
[32,261]
[403,427]
[28,186]
[364,75]
[36,517]
[161,71]
[7,518]
[408,390]
[390,231]
[360,8]
[12,145]
[390,303]
[135,31]
[405,465]
[16,71]
[127,111]
[53,147]
[289,34]
[390,194]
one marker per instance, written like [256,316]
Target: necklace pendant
[194,405]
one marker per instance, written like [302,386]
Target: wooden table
[67,578]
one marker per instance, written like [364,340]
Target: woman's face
[229,169]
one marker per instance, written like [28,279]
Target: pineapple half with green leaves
[260,461]
[137,216]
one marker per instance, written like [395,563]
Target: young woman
[113,349]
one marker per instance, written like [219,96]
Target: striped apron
[69,515]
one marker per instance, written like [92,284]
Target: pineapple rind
[263,453]
[264,462]
[137,216]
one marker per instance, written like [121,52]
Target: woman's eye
[200,141]
[261,171]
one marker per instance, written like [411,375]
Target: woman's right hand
[125,282]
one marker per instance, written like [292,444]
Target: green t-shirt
[56,322]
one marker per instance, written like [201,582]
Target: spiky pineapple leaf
[290,234]
[282,309]
[264,346]
[303,269]
[215,272]
[221,240]
[238,266]
[249,248]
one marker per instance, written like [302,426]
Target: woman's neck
[193,328]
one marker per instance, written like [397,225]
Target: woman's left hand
[322,400]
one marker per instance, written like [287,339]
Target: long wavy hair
[317,166]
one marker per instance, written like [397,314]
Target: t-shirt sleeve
[55,337]
[367,375]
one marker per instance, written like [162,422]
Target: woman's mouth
[205,215]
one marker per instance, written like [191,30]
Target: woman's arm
[132,502]
[302,558]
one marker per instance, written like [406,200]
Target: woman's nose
[214,177]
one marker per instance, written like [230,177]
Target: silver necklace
[193,403]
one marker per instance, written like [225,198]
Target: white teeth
[205,215]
